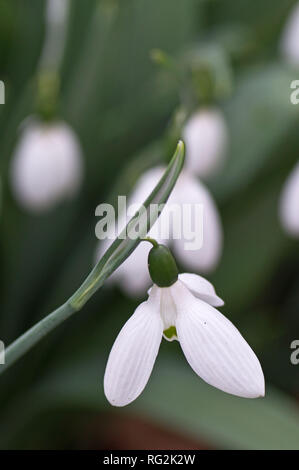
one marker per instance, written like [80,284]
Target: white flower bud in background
[289,204]
[47,165]
[290,38]
[206,137]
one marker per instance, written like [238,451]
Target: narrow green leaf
[123,246]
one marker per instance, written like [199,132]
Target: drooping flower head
[181,307]
[47,165]
[206,137]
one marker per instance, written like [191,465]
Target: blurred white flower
[289,204]
[290,37]
[47,165]
[206,137]
[133,275]
[213,347]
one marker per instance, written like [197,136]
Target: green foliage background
[120,103]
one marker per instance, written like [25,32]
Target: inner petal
[168,314]
[170,334]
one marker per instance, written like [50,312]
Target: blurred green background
[119,103]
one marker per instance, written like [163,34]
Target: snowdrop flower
[206,137]
[290,37]
[47,165]
[182,307]
[289,204]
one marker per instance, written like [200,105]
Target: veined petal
[201,288]
[134,352]
[189,190]
[289,203]
[214,348]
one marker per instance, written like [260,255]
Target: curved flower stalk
[120,249]
[47,165]
[56,14]
[290,38]
[206,136]
[289,204]
[180,307]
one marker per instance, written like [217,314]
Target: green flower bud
[162,266]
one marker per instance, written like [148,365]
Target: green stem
[152,241]
[116,254]
[26,341]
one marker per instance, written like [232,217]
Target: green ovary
[170,333]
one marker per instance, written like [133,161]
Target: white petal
[142,190]
[289,204]
[214,348]
[190,190]
[206,137]
[145,185]
[201,288]
[47,165]
[134,352]
[132,275]
[290,37]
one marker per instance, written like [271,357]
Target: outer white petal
[190,190]
[201,288]
[206,138]
[290,37]
[134,352]
[47,165]
[289,203]
[214,348]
